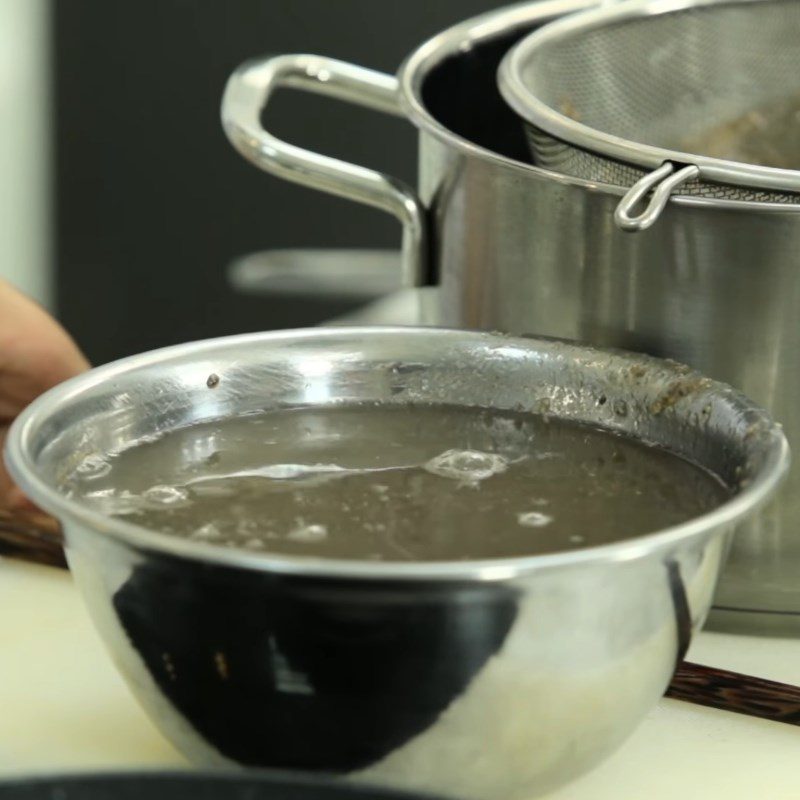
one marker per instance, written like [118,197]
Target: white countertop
[64,707]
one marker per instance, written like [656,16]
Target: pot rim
[463,36]
[23,469]
[460,38]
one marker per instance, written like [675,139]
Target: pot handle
[248,92]
[662,182]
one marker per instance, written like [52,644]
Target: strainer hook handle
[661,182]
[248,92]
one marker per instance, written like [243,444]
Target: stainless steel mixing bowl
[478,680]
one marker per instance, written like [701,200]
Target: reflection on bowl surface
[476,679]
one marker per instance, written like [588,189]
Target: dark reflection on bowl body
[308,674]
[484,689]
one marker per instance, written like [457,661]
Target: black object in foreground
[192,786]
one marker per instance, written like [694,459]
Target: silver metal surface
[662,182]
[518,248]
[408,307]
[397,674]
[329,274]
[248,92]
[619,90]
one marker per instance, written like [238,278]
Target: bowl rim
[23,470]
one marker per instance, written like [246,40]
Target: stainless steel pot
[485,680]
[619,94]
[513,247]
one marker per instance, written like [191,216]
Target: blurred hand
[36,353]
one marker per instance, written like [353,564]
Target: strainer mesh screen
[668,81]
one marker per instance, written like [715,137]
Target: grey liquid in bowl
[397,482]
[486,678]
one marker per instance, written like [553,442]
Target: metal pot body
[483,680]
[517,248]
[713,285]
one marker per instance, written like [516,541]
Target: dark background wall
[152,202]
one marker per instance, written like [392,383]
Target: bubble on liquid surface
[308,533]
[93,467]
[468,466]
[533,519]
[254,544]
[166,495]
[102,500]
[100,494]
[113,503]
[206,533]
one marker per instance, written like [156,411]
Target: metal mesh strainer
[704,95]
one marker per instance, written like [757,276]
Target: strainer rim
[546,118]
